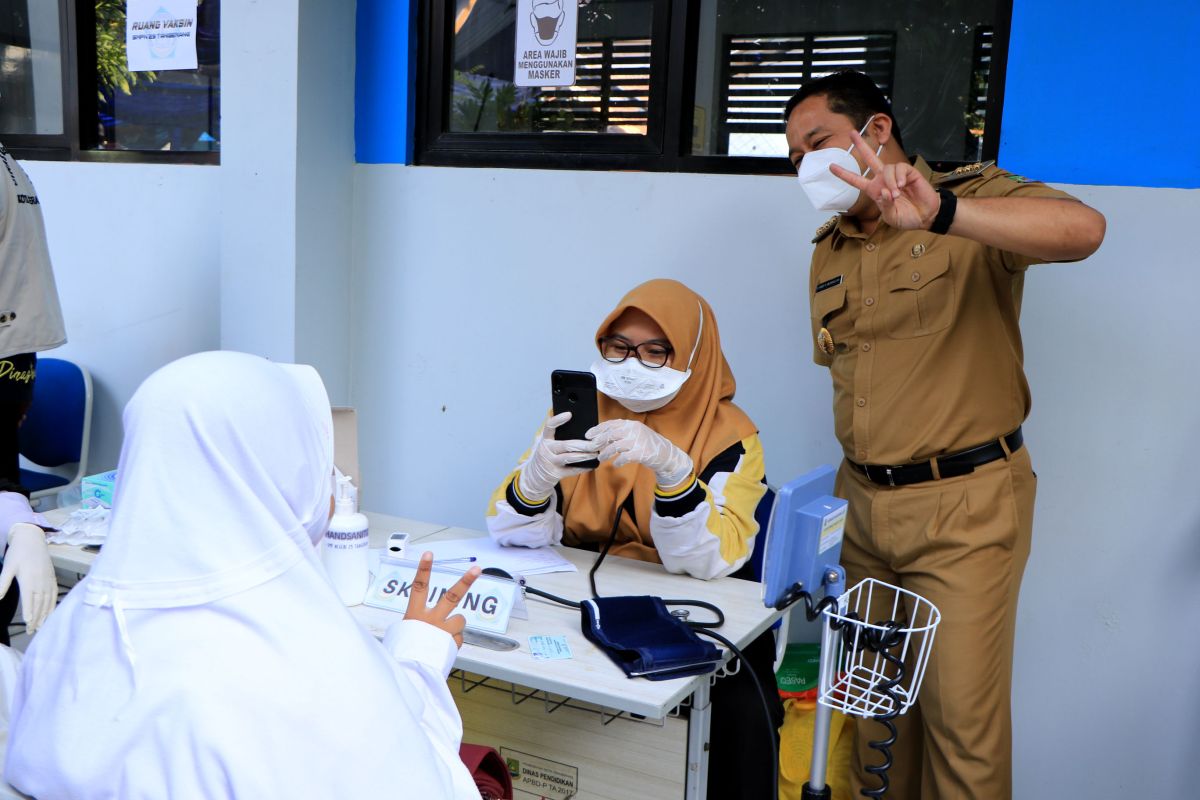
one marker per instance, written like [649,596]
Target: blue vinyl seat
[54,435]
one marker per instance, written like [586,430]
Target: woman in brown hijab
[686,466]
[683,460]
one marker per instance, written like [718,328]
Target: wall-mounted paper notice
[546,42]
[160,34]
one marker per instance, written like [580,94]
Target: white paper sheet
[513,560]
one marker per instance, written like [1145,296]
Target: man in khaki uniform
[31,321]
[915,293]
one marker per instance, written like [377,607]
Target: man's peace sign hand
[906,200]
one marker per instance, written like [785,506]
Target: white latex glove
[550,461]
[28,560]
[625,441]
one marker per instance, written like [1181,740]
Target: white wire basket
[856,678]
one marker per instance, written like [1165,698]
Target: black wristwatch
[945,215]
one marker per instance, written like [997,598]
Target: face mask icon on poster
[826,191]
[546,19]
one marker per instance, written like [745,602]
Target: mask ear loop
[699,333]
[862,131]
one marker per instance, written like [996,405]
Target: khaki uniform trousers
[962,544]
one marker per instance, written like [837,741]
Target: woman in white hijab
[206,655]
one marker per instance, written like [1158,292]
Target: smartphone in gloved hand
[575,391]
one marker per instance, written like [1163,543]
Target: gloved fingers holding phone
[551,460]
[627,441]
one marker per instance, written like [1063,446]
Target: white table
[589,676]
[72,559]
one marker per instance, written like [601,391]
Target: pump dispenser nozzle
[347,496]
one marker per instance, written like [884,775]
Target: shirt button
[869,301]
[866,347]
[870,246]
[916,276]
[862,401]
[862,454]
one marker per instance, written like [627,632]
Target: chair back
[57,427]
[762,515]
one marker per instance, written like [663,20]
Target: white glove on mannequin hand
[550,461]
[28,560]
[626,441]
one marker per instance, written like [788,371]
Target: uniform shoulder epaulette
[961,174]
[825,229]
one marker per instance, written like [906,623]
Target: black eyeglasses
[653,354]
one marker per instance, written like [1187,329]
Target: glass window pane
[31,87]
[166,110]
[612,78]
[931,58]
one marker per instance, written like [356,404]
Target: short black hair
[850,93]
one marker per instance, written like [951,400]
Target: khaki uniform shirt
[30,317]
[926,344]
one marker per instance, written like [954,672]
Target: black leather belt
[963,462]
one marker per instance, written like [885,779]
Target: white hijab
[206,655]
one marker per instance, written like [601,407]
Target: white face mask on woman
[640,388]
[826,191]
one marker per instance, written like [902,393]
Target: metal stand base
[809,793]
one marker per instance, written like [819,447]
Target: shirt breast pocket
[829,310]
[921,297]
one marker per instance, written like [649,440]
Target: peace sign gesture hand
[906,200]
[439,615]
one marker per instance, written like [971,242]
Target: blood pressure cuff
[643,639]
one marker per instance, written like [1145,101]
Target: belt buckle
[870,471]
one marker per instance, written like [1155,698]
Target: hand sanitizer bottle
[344,549]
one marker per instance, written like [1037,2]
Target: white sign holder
[487,606]
[160,34]
[546,34]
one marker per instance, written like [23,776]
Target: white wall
[1107,677]
[473,284]
[135,253]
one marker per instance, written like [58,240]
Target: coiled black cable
[882,641]
[811,610]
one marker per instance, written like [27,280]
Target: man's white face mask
[640,388]
[826,191]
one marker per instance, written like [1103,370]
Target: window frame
[667,145]
[77,141]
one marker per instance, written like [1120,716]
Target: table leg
[699,720]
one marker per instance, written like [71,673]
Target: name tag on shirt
[487,606]
[829,284]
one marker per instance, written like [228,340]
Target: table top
[73,558]
[588,675]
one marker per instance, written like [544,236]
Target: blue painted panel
[1103,92]
[384,81]
[1098,91]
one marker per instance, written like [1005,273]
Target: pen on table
[465,560]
